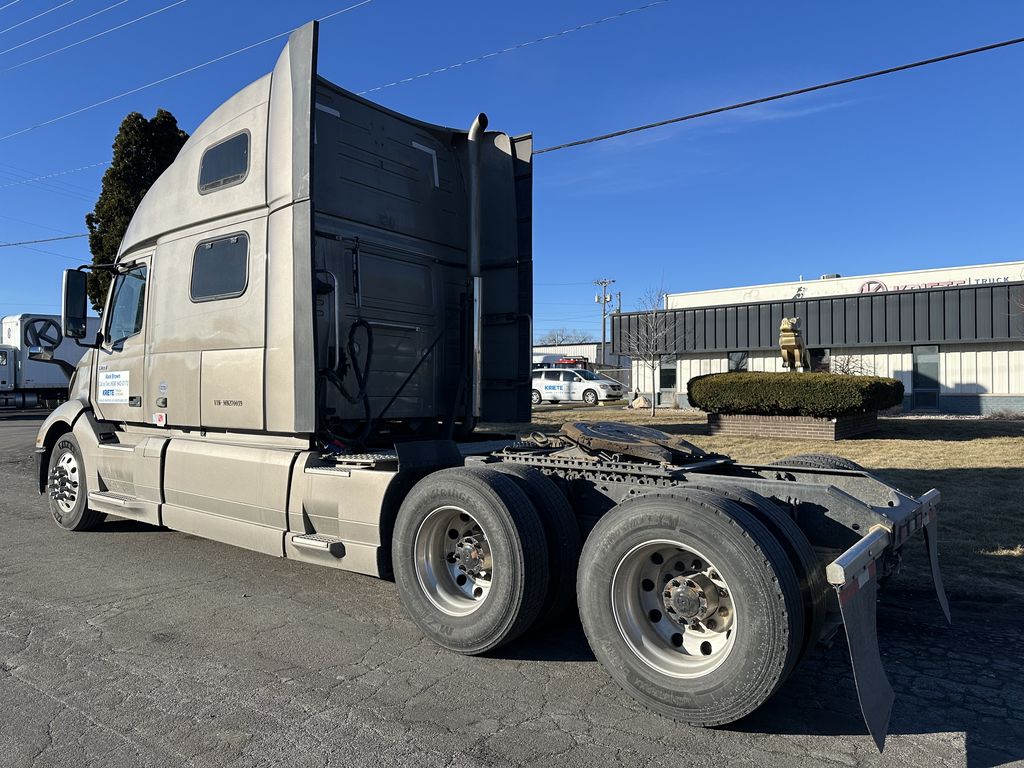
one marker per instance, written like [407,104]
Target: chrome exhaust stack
[476,132]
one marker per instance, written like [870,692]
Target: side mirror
[74,304]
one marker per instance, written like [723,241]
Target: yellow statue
[791,345]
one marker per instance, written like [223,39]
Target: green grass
[977,465]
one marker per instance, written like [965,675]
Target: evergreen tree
[142,151]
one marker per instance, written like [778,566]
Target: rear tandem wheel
[470,559]
[691,605]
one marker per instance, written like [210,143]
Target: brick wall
[791,427]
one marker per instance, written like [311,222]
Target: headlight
[603,386]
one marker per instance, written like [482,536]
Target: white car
[566,384]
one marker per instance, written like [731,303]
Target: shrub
[824,395]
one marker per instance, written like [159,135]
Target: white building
[954,336]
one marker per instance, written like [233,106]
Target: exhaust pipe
[476,132]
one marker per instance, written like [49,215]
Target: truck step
[125,505]
[109,498]
[321,543]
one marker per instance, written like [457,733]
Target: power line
[784,95]
[8,5]
[92,37]
[37,16]
[516,47]
[61,29]
[173,76]
[52,175]
[34,224]
[43,240]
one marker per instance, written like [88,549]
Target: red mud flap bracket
[854,576]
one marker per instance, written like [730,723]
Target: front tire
[655,576]
[590,397]
[470,559]
[69,494]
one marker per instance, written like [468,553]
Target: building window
[820,359]
[224,164]
[667,377]
[738,361]
[220,268]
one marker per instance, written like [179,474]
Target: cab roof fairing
[276,110]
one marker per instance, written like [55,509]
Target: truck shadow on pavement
[963,679]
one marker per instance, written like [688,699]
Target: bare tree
[850,365]
[645,336]
[565,336]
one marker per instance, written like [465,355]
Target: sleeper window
[224,164]
[220,268]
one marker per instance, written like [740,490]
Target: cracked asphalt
[134,646]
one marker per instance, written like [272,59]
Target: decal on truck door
[113,387]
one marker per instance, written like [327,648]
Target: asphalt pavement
[136,646]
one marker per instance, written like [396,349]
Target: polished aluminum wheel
[64,481]
[673,608]
[453,561]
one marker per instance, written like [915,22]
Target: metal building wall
[939,315]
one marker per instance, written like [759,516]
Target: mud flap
[931,543]
[858,602]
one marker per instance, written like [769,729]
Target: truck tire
[455,530]
[670,644]
[68,492]
[810,570]
[820,461]
[562,534]
[535,398]
[590,397]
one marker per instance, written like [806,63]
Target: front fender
[61,420]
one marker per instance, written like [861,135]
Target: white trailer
[31,381]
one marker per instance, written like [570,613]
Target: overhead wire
[43,240]
[174,75]
[55,174]
[37,16]
[516,47]
[783,95]
[92,37]
[8,5]
[61,29]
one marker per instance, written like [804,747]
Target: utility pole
[604,299]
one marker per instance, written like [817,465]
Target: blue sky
[916,170]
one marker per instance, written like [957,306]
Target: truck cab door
[117,386]
[6,369]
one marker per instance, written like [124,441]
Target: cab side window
[127,305]
[220,268]
[568,376]
[224,164]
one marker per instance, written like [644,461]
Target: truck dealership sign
[982,274]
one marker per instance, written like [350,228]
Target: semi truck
[36,361]
[313,310]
